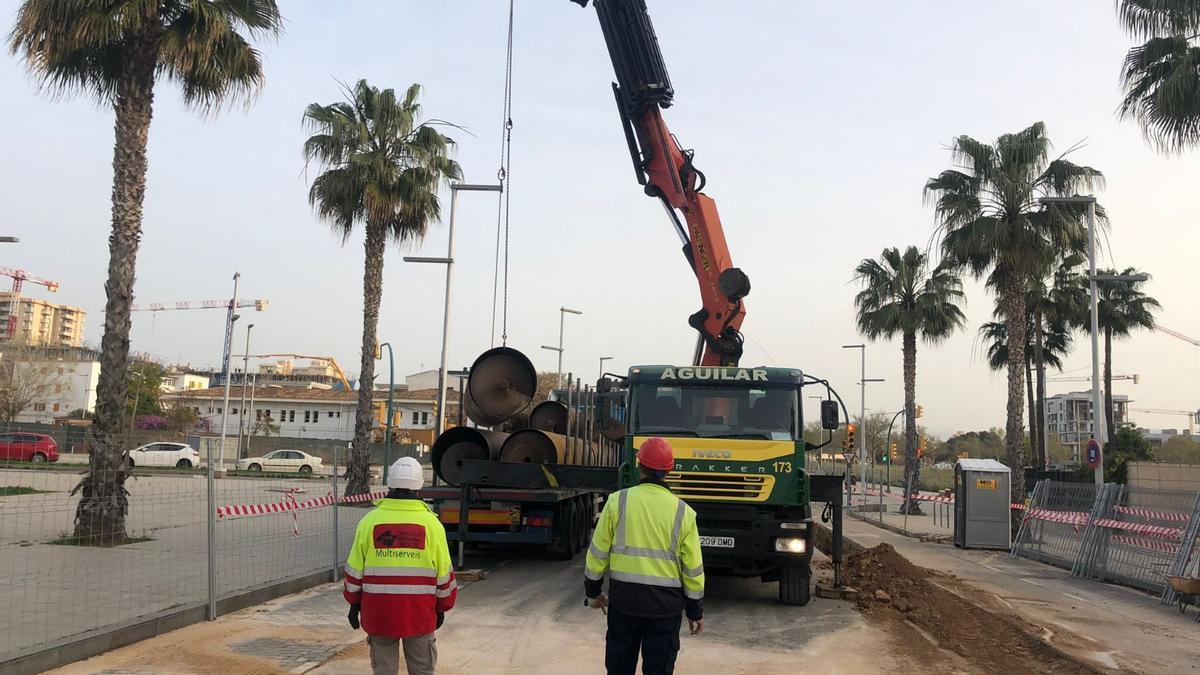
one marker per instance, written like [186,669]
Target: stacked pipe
[500,389]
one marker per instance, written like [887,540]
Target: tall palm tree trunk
[358,472]
[1043,448]
[911,463]
[1108,397]
[1033,431]
[103,505]
[1014,313]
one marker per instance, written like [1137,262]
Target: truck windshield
[769,413]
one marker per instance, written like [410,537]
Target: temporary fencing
[176,559]
[1132,536]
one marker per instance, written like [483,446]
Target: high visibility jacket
[646,543]
[399,570]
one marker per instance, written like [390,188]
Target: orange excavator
[666,170]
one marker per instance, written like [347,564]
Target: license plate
[717,542]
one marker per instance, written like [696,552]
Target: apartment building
[40,323]
[52,389]
[1070,417]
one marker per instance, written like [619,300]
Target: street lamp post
[602,360]
[562,322]
[862,436]
[448,261]
[9,240]
[242,421]
[1099,432]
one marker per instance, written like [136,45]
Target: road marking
[1032,582]
[1076,597]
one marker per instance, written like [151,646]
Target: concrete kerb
[164,622]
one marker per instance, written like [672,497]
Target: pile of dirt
[907,597]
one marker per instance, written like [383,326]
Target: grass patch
[101,541]
[16,490]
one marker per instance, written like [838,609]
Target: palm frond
[1161,79]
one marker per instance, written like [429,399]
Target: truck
[736,432]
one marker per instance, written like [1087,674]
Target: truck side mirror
[829,415]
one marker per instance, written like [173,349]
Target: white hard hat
[406,474]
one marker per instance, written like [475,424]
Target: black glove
[352,617]
[441,619]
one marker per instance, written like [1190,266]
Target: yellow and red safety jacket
[399,570]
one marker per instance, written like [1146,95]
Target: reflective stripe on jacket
[647,536]
[399,569]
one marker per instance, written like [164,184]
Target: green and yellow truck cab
[737,435]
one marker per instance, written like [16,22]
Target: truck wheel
[564,524]
[581,527]
[795,583]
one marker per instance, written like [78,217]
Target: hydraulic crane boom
[642,90]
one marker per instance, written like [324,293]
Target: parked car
[181,455]
[23,447]
[943,465]
[281,461]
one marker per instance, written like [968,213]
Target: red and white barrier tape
[898,496]
[1150,514]
[1141,528]
[1164,546]
[1062,517]
[291,505]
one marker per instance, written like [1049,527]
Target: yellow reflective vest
[646,543]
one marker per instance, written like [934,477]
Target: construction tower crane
[1193,416]
[332,362]
[19,277]
[258,305]
[1176,334]
[1088,378]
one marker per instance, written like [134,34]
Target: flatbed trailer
[547,506]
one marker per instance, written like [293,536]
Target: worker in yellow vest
[398,576]
[647,545]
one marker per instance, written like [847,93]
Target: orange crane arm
[258,305]
[1176,334]
[20,276]
[332,362]
[666,171]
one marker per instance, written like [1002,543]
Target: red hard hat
[656,454]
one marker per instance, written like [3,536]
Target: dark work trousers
[658,640]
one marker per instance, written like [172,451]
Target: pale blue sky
[816,124]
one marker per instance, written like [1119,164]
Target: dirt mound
[894,590]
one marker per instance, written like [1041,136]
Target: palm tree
[1122,308]
[382,165]
[115,51]
[987,208]
[1056,344]
[901,294]
[1161,77]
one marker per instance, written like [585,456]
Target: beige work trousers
[420,654]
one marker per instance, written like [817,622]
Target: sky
[816,124]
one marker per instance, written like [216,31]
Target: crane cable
[503,176]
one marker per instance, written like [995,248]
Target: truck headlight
[791,545]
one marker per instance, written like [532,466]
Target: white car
[281,461]
[181,455]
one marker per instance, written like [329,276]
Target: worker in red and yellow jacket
[399,576]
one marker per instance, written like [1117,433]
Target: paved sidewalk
[1111,626]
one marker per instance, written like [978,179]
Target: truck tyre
[581,526]
[564,525]
[795,583]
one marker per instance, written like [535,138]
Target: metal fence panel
[1140,537]
[1187,562]
[1055,521]
[267,529]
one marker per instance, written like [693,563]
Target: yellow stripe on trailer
[449,516]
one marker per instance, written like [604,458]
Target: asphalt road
[527,616]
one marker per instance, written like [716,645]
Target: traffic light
[921,447]
[920,411]
[893,455]
[849,443]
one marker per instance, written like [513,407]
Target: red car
[24,447]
